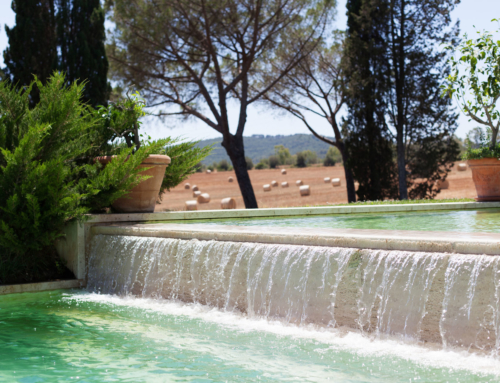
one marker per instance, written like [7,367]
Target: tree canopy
[192,59]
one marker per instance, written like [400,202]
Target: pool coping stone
[403,240]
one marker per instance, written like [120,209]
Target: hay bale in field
[228,203]
[230,179]
[305,190]
[326,180]
[204,198]
[462,167]
[283,171]
[299,182]
[442,185]
[196,193]
[274,184]
[195,188]
[336,182]
[209,171]
[267,187]
[284,184]
[191,205]
[187,186]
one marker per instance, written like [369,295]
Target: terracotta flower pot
[142,198]
[486,177]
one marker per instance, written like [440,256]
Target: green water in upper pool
[470,221]
[62,336]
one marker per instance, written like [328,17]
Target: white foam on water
[391,302]
[360,344]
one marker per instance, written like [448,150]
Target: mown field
[218,187]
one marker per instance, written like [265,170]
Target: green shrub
[301,160]
[332,156]
[249,163]
[306,158]
[223,166]
[283,154]
[273,162]
[199,167]
[479,146]
[49,176]
[263,164]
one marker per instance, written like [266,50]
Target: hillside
[260,146]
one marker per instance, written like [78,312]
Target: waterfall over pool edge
[447,299]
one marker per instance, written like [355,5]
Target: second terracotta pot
[142,198]
[486,177]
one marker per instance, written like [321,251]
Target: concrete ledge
[289,211]
[42,286]
[426,241]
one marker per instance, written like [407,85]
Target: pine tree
[368,144]
[32,46]
[81,38]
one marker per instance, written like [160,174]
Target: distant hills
[259,146]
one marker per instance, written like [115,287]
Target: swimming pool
[73,335]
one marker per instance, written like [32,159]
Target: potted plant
[475,82]
[122,119]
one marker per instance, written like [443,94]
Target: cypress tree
[81,37]
[401,131]
[422,121]
[368,143]
[32,46]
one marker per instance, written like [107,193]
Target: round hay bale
[196,193]
[442,185]
[195,188]
[187,186]
[305,190]
[274,184]
[326,180]
[336,182]
[204,198]
[228,203]
[284,184]
[191,205]
[283,171]
[462,167]
[299,182]
[267,187]
[209,171]
[230,179]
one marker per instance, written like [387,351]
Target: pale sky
[471,13]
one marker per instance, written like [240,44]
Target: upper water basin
[469,221]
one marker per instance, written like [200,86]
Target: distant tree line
[281,157]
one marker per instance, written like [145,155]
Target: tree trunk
[399,62]
[403,189]
[236,152]
[349,179]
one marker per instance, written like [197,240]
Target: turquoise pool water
[470,221]
[77,336]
